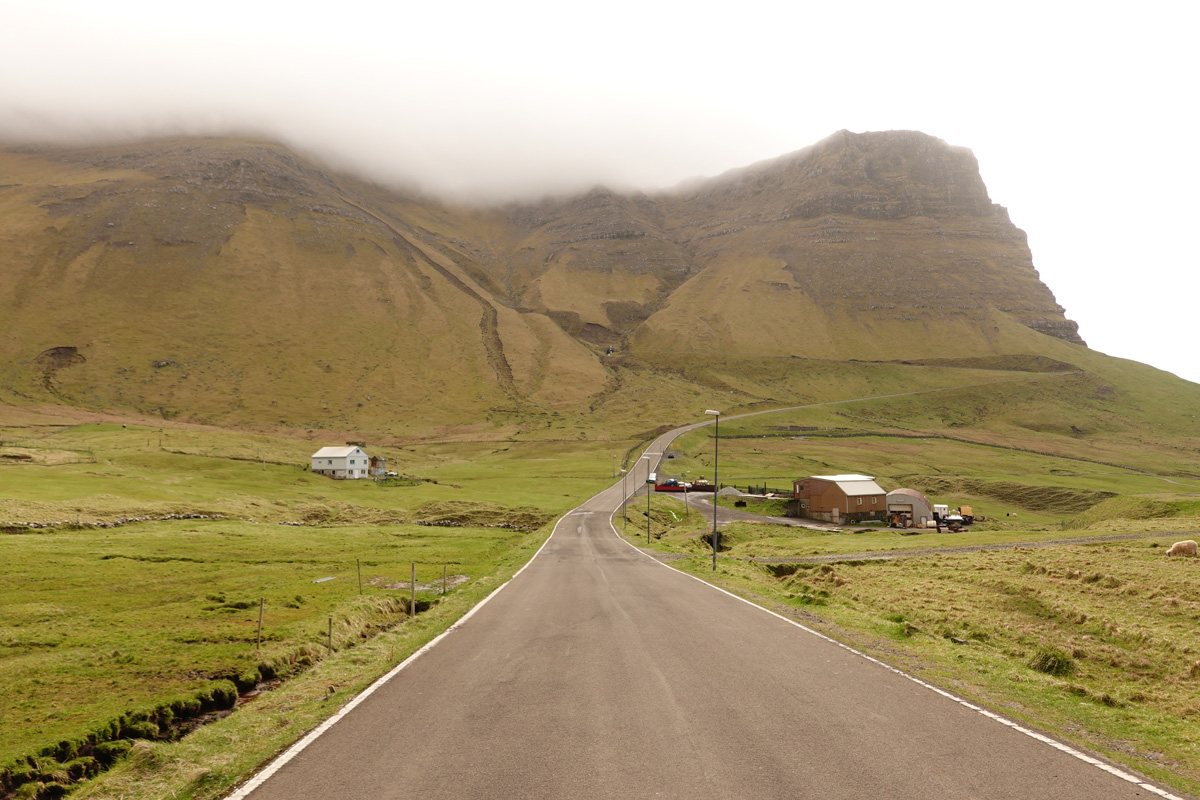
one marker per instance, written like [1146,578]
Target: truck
[672,485]
[963,515]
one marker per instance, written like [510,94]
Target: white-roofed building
[343,463]
[839,498]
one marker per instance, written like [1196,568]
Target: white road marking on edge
[1057,745]
[261,777]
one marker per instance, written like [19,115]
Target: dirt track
[974,548]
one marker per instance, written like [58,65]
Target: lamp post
[716,484]
[624,499]
[648,491]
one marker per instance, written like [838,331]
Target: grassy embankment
[1093,642]
[102,628]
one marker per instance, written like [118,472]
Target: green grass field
[101,623]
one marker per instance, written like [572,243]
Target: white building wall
[354,466]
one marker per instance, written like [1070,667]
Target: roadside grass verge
[1093,643]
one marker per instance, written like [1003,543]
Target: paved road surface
[600,673]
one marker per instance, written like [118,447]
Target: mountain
[233,281]
[871,231]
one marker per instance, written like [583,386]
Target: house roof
[334,452]
[853,485]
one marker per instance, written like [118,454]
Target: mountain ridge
[256,274]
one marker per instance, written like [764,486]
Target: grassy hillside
[232,282]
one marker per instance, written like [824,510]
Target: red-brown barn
[839,498]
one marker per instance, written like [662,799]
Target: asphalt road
[600,673]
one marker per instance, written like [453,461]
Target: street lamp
[716,484]
[624,500]
[648,491]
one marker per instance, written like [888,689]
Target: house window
[860,501]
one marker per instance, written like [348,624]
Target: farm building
[839,498]
[909,507]
[342,463]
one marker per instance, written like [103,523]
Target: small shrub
[28,790]
[164,715]
[81,768]
[186,708]
[224,695]
[65,750]
[248,679]
[1052,661]
[108,752]
[107,731]
[53,791]
[19,773]
[139,730]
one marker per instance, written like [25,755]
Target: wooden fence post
[262,601]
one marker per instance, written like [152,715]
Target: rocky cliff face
[896,225]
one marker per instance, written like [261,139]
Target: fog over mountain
[1071,117]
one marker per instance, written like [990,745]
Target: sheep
[1184,548]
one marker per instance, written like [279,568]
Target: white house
[343,463]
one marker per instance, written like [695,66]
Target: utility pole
[716,484]
[647,460]
[624,498]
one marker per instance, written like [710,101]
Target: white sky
[1080,114]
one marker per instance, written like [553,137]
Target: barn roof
[848,477]
[854,485]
